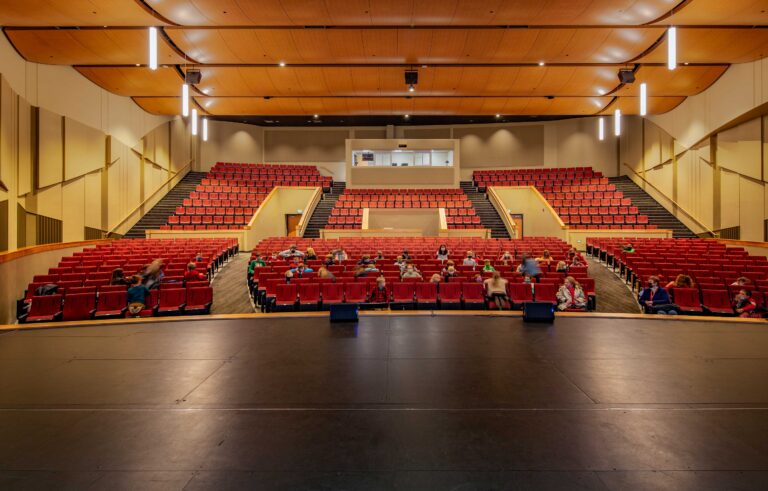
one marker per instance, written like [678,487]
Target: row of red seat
[353,212]
[113,304]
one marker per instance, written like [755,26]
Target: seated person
[340,255]
[137,296]
[324,273]
[328,260]
[436,278]
[488,267]
[310,254]
[379,294]
[545,258]
[506,258]
[290,252]
[365,260]
[561,267]
[300,269]
[575,261]
[628,248]
[655,300]
[682,281]
[470,259]
[411,272]
[192,274]
[571,295]
[741,281]
[496,290]
[744,305]
[199,257]
[449,273]
[529,266]
[400,263]
[406,255]
[119,279]
[257,262]
[379,256]
[478,278]
[442,253]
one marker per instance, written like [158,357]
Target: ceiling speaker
[193,76]
[626,76]
[411,77]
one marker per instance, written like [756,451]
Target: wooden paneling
[398,105]
[631,106]
[89,46]
[719,12]
[724,45]
[74,13]
[684,81]
[388,81]
[135,81]
[411,12]
[418,46]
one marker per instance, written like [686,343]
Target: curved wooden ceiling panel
[724,45]
[389,81]
[721,12]
[417,46]
[135,81]
[684,81]
[411,12]
[292,106]
[631,105]
[75,13]
[89,46]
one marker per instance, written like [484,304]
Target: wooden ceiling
[347,57]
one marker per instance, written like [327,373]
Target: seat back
[355,292]
[172,297]
[687,297]
[286,292]
[403,292]
[545,293]
[112,300]
[426,292]
[450,292]
[472,292]
[45,305]
[78,306]
[199,296]
[715,298]
[332,292]
[309,293]
[520,292]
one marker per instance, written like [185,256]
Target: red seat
[111,304]
[199,300]
[426,295]
[716,302]
[285,297]
[333,293]
[450,295]
[402,295]
[79,306]
[355,292]
[474,295]
[45,308]
[309,296]
[150,305]
[687,299]
[545,293]
[172,301]
[519,293]
[112,288]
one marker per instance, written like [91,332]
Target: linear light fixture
[194,122]
[205,129]
[601,129]
[153,48]
[643,99]
[672,48]
[185,100]
[617,122]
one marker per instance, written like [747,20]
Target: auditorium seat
[309,296]
[520,293]
[355,292]
[716,302]
[473,296]
[172,301]
[332,294]
[79,306]
[426,295]
[450,295]
[285,297]
[111,305]
[45,308]
[687,299]
[402,296]
[198,300]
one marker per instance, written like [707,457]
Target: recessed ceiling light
[138,64]
[282,63]
[498,116]
[407,116]
[541,63]
[316,116]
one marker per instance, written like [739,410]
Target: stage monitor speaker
[344,312]
[538,312]
[626,76]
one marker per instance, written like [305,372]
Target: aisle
[612,294]
[230,290]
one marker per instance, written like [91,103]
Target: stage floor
[398,402]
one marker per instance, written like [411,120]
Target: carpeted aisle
[230,290]
[612,294]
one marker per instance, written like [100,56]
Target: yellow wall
[539,220]
[425,219]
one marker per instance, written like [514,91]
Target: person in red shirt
[744,305]
[379,294]
[192,274]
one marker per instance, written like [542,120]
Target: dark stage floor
[415,403]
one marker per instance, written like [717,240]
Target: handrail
[496,202]
[707,229]
[307,215]
[140,205]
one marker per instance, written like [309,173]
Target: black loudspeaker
[538,312]
[193,76]
[626,76]
[411,77]
[344,312]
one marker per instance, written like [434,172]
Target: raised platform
[406,402]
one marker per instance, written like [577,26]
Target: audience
[744,305]
[470,259]
[258,262]
[488,267]
[153,274]
[562,267]
[300,269]
[310,254]
[496,290]
[118,278]
[682,281]
[442,253]
[655,299]
[290,252]
[411,272]
[323,272]
[741,281]
[193,274]
[546,257]
[628,248]
[506,258]
[379,294]
[571,295]
[340,255]
[436,278]
[137,296]
[450,272]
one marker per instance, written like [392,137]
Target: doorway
[292,223]
[517,225]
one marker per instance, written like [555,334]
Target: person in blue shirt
[137,296]
[300,269]
[654,298]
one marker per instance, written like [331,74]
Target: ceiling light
[617,122]
[672,48]
[194,122]
[153,48]
[643,99]
[411,88]
[205,129]
[498,116]
[316,116]
[541,63]
[601,129]
[138,64]
[185,100]
[407,116]
[282,63]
